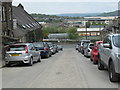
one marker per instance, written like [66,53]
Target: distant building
[91,20]
[90,31]
[26,28]
[58,36]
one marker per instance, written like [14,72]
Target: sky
[68,6]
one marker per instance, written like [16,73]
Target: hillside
[114,13]
[52,18]
[79,14]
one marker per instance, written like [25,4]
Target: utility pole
[86,29]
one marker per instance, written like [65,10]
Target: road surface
[66,69]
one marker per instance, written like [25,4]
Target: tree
[72,33]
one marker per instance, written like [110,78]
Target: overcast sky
[68,6]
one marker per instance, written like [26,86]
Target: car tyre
[100,66]
[112,75]
[39,60]
[47,55]
[91,58]
[31,62]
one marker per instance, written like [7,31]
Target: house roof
[24,20]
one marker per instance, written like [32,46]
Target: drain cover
[58,73]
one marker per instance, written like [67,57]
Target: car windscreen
[38,44]
[85,45]
[91,45]
[116,41]
[16,48]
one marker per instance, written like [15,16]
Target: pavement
[66,69]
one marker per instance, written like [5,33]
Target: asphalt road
[66,69]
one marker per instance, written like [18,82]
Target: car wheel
[39,60]
[100,66]
[94,62]
[50,55]
[91,58]
[47,55]
[31,62]
[112,75]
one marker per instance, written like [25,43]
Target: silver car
[22,53]
[109,56]
[88,49]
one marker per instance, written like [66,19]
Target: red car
[94,52]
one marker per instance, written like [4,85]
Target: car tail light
[45,49]
[26,49]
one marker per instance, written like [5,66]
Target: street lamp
[87,25]
[86,29]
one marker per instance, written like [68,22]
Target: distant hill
[78,14]
[114,13]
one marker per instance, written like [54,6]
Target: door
[106,51]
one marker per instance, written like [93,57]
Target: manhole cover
[58,73]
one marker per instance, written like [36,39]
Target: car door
[36,52]
[107,51]
[102,49]
[33,52]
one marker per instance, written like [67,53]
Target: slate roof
[24,20]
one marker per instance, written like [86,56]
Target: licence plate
[15,54]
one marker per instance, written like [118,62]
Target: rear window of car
[91,45]
[16,48]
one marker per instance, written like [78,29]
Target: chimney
[20,6]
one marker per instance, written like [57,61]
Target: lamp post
[86,29]
[87,25]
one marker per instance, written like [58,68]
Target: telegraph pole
[86,29]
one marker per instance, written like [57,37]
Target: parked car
[60,47]
[52,48]
[44,49]
[22,53]
[109,56]
[94,52]
[82,45]
[56,48]
[88,49]
[85,44]
[76,46]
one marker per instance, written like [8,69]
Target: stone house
[26,28]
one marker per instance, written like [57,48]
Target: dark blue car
[44,48]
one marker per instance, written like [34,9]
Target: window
[17,48]
[0,12]
[10,13]
[3,14]
[107,40]
[31,47]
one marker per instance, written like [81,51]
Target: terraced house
[26,28]
[114,27]
[6,23]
